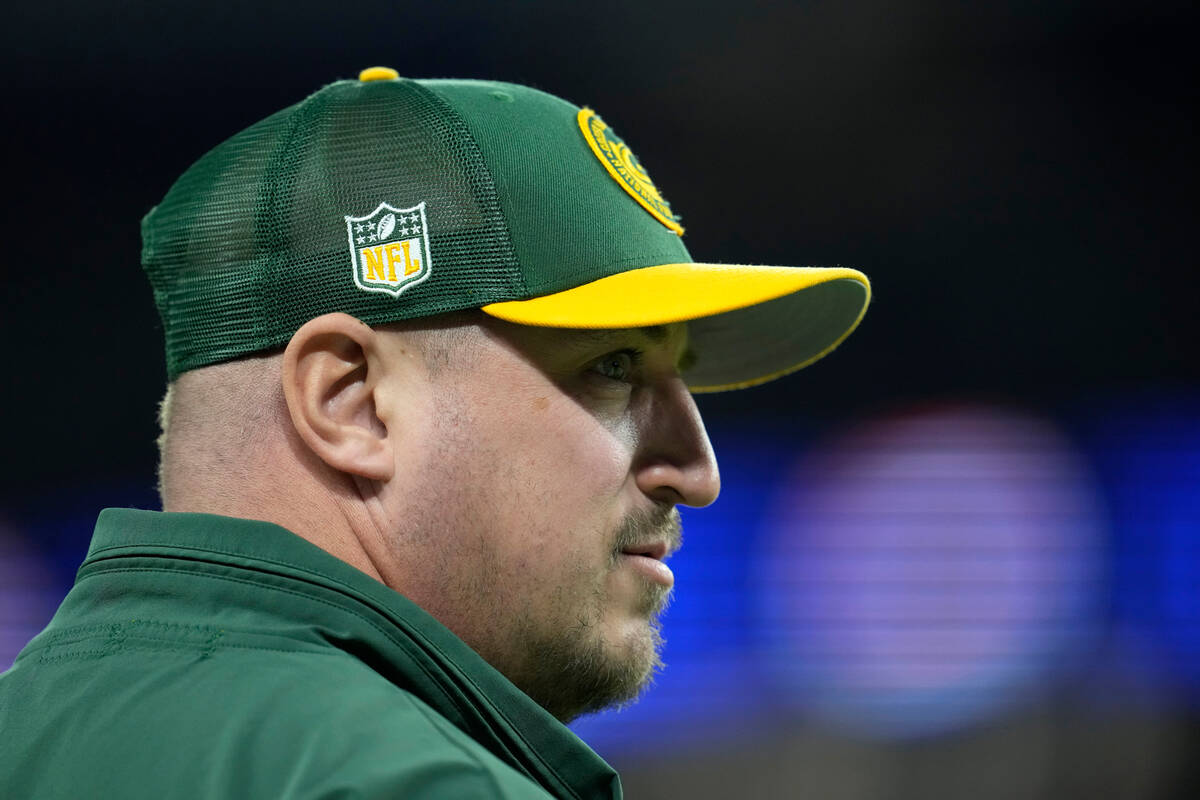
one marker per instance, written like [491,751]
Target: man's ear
[330,394]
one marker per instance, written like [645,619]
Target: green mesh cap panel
[251,242]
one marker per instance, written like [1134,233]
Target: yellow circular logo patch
[623,165]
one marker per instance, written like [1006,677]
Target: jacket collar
[376,624]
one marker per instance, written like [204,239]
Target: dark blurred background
[959,558]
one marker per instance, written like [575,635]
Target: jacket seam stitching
[353,593]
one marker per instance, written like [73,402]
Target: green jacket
[207,657]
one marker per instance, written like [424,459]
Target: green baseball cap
[392,199]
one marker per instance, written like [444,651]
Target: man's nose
[676,463]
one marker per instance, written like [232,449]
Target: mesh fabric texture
[250,243]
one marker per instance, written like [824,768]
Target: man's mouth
[647,559]
[656,550]
[646,540]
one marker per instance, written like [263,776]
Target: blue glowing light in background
[1150,457]
[926,569]
[29,592]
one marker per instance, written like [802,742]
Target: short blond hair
[213,419]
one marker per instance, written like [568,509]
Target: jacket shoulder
[236,723]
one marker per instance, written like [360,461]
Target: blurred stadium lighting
[29,593]
[926,570]
[1149,456]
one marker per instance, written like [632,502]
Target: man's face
[541,490]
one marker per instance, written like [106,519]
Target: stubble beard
[573,670]
[570,669]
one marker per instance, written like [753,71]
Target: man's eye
[618,366]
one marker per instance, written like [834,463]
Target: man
[431,347]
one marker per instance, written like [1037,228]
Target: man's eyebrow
[655,333]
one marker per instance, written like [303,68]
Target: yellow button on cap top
[378,74]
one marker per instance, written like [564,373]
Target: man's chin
[578,677]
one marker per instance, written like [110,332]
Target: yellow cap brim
[747,324]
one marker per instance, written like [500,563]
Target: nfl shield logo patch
[389,248]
